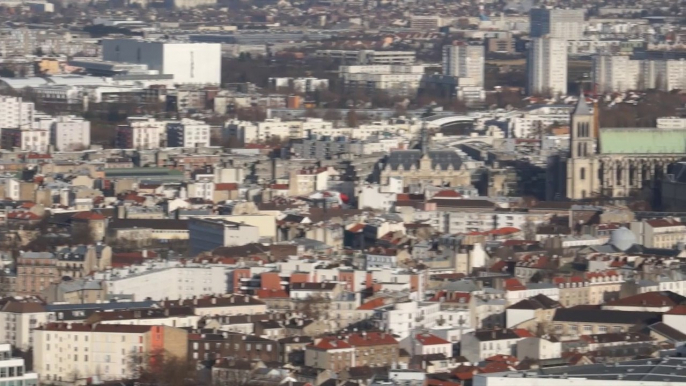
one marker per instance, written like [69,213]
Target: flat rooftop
[669,369]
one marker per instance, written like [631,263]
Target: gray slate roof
[440,159]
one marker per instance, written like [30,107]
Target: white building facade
[70,133]
[189,63]
[547,66]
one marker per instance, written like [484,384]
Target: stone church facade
[617,162]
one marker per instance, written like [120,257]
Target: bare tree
[314,307]
[162,368]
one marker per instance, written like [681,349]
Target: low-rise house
[482,344]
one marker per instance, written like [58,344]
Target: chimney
[493,334]
[214,300]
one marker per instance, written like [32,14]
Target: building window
[582,173]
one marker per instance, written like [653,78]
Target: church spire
[424,141]
[581,107]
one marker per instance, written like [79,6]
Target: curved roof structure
[622,239]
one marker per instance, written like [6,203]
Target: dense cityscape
[342,193]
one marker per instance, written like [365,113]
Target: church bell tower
[582,165]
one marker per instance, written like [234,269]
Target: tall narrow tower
[582,165]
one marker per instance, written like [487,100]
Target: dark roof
[581,107]
[463,203]
[650,299]
[440,159]
[215,301]
[241,251]
[366,372]
[641,250]
[605,316]
[668,332]
[313,286]
[499,334]
[148,223]
[538,302]
[296,340]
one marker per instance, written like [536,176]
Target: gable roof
[650,299]
[594,315]
[430,339]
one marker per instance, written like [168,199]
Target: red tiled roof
[502,358]
[498,266]
[23,216]
[356,228]
[373,304]
[664,222]
[648,299]
[464,372]
[109,328]
[38,156]
[88,216]
[514,285]
[494,367]
[447,194]
[330,343]
[271,294]
[226,187]
[505,231]
[371,339]
[678,310]
[429,339]
[522,333]
[590,275]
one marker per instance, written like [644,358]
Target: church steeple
[424,141]
[582,107]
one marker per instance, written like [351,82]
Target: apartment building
[160,280]
[206,234]
[35,272]
[465,62]
[567,24]
[142,134]
[368,56]
[427,344]
[330,353]
[188,133]
[573,322]
[221,305]
[394,79]
[71,353]
[529,122]
[481,344]
[206,345]
[15,113]
[659,233]
[252,132]
[615,73]
[547,66]
[13,370]
[69,133]
[31,140]
[426,22]
[374,349]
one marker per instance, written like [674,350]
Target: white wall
[190,63]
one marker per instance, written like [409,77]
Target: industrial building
[189,63]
